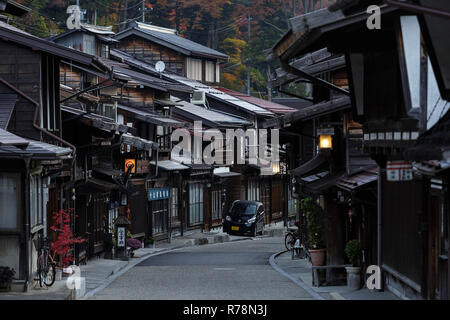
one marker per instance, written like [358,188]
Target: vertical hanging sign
[399,171]
[121,237]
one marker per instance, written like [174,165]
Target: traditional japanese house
[92,39]
[150,43]
[32,120]
[217,196]
[144,103]
[271,190]
[216,100]
[339,175]
[392,113]
[141,103]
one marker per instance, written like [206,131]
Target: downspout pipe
[379,221]
[27,223]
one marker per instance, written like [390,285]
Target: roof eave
[14,8]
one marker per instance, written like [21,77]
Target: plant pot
[58,274]
[317,257]
[5,286]
[353,277]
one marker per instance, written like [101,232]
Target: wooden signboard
[142,166]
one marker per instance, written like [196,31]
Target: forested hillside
[220,24]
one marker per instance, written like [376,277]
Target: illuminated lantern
[275,168]
[325,141]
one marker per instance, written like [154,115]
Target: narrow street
[232,270]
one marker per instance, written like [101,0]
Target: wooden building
[32,120]
[151,44]
[392,112]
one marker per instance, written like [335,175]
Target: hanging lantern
[325,138]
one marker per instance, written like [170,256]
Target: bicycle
[293,235]
[46,265]
[290,238]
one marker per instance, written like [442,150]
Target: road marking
[224,268]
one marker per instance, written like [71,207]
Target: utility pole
[124,25]
[248,57]
[143,11]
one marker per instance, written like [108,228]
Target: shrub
[6,277]
[63,244]
[353,250]
[313,223]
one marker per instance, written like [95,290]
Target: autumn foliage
[65,239]
[220,24]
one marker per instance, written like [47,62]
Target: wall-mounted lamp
[325,138]
[276,168]
[325,141]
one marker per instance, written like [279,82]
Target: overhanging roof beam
[91,88]
[293,94]
[313,79]
[418,8]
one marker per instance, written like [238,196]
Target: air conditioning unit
[199,98]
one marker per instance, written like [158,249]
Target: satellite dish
[160,66]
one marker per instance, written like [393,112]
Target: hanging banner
[399,171]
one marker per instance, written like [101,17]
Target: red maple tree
[63,244]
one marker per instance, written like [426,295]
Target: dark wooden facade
[151,52]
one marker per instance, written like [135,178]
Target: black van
[244,217]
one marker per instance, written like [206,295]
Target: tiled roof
[15,35]
[268,105]
[170,38]
[208,114]
[359,179]
[13,146]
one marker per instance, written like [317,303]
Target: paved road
[231,270]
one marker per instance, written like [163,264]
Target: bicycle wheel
[49,274]
[289,241]
[41,270]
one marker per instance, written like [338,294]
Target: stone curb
[336,296]
[298,282]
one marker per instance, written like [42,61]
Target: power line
[129,20]
[118,8]
[224,28]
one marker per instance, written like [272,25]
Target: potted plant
[315,231]
[149,241]
[6,277]
[353,251]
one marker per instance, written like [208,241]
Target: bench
[315,272]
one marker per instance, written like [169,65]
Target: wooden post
[423,86]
